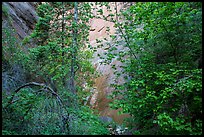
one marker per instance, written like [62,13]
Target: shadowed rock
[23,15]
[106,119]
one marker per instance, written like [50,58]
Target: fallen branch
[44,88]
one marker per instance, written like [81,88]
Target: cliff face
[23,17]
[18,21]
[98,31]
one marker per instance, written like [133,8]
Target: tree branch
[126,38]
[172,46]
[45,88]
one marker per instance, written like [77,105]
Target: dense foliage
[40,114]
[158,43]
[59,61]
[164,93]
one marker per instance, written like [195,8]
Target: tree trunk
[74,45]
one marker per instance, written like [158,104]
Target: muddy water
[102,89]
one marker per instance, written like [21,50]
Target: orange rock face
[99,99]
[98,29]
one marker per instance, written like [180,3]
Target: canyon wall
[23,17]
[98,31]
[18,21]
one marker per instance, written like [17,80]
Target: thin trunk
[63,27]
[71,83]
[73,101]
[74,45]
[63,45]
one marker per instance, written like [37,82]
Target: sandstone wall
[98,31]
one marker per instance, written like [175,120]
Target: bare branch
[44,88]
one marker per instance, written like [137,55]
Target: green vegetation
[164,93]
[59,61]
[162,68]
